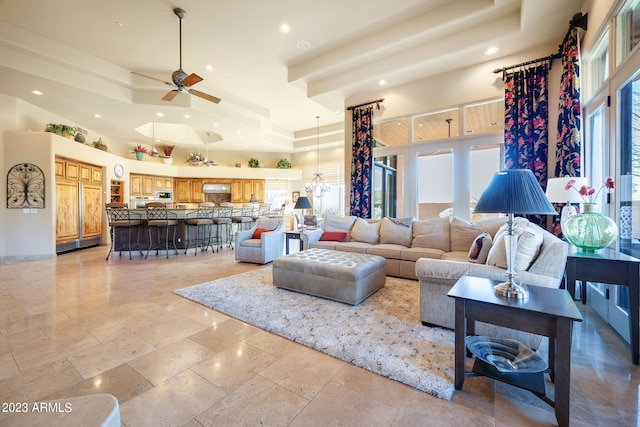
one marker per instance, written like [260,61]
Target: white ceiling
[80,54]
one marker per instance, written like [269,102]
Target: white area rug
[383,334]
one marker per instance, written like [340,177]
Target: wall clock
[118,170]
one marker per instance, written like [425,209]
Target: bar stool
[243,217]
[120,219]
[202,220]
[160,218]
[223,223]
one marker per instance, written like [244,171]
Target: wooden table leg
[563,371]
[460,333]
[634,310]
[570,269]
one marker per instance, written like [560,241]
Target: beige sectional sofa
[437,252]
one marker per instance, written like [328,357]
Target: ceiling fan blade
[191,79]
[152,78]
[203,95]
[170,95]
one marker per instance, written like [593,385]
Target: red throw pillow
[334,236]
[259,231]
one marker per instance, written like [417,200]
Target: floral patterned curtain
[568,143]
[525,131]
[362,162]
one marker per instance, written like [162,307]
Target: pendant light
[317,187]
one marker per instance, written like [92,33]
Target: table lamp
[557,193]
[513,191]
[302,203]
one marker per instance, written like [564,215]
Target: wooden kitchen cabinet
[163,183]
[67,211]
[71,170]
[91,211]
[85,172]
[247,190]
[181,190]
[135,181]
[148,183]
[60,165]
[258,189]
[96,175]
[236,191]
[197,196]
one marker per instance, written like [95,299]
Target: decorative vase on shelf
[139,155]
[590,230]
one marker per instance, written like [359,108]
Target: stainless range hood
[216,188]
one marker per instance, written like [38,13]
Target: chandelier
[317,187]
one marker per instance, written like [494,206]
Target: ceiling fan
[181,80]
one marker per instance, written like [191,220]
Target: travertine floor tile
[8,367]
[38,382]
[169,360]
[303,371]
[172,403]
[391,393]
[107,356]
[224,335]
[339,405]
[234,366]
[122,382]
[270,343]
[169,331]
[257,402]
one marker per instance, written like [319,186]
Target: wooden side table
[549,312]
[611,267]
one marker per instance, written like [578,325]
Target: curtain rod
[377,102]
[579,20]
[533,61]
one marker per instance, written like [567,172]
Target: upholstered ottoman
[341,276]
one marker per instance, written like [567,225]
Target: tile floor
[78,325]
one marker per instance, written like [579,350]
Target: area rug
[383,334]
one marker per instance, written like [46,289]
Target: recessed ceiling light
[36,92]
[120,24]
[491,51]
[382,82]
[215,125]
[237,130]
[303,45]
[160,114]
[284,29]
[210,67]
[186,116]
[97,116]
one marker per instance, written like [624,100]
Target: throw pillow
[463,233]
[362,231]
[480,248]
[333,236]
[432,233]
[338,223]
[259,231]
[528,238]
[393,233]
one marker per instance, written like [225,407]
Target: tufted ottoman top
[348,266]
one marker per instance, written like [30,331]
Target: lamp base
[511,290]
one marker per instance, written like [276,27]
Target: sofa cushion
[386,250]
[480,247]
[462,256]
[432,233]
[463,233]
[397,234]
[528,241]
[325,244]
[365,232]
[338,223]
[413,254]
[358,247]
[333,236]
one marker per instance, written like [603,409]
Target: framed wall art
[25,187]
[294,196]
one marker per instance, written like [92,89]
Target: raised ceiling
[80,54]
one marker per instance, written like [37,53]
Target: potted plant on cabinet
[62,130]
[167,150]
[100,145]
[254,163]
[283,164]
[140,151]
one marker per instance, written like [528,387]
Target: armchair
[261,250]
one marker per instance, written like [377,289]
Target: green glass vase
[590,230]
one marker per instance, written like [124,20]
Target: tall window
[628,29]
[435,184]
[385,187]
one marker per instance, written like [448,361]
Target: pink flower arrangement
[586,191]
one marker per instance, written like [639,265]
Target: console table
[288,235]
[611,267]
[548,311]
